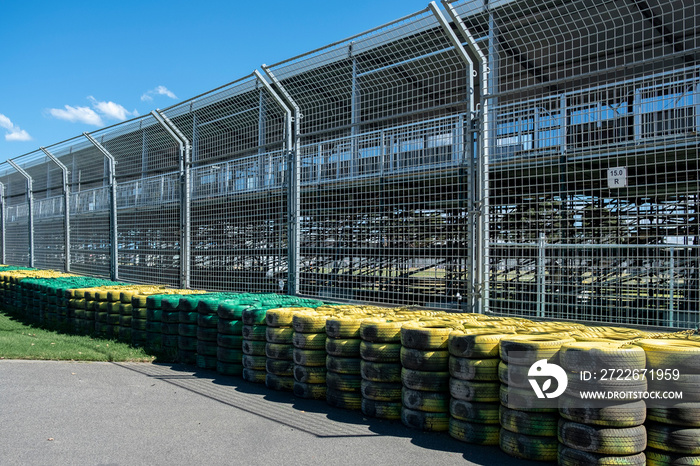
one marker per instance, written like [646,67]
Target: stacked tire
[309,354]
[254,332]
[279,348]
[113,311]
[207,332]
[602,432]
[125,317]
[475,386]
[673,429]
[229,337]
[343,361]
[380,368]
[154,321]
[425,395]
[528,424]
[187,329]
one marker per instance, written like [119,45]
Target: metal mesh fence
[592,158]
[147,200]
[238,211]
[384,165]
[536,159]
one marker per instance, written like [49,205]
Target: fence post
[671,288]
[294,171]
[185,199]
[114,237]
[30,206]
[2,223]
[540,275]
[66,205]
[480,203]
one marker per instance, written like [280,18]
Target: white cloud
[14,132]
[159,90]
[112,110]
[77,114]
[96,115]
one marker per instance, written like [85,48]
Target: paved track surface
[61,413]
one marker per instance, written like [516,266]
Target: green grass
[19,340]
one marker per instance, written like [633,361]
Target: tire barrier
[463,374]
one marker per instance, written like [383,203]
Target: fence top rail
[347,40]
[593,246]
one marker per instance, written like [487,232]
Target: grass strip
[21,340]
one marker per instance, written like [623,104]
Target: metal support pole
[113,232]
[480,282]
[185,197]
[30,206]
[541,255]
[294,170]
[671,288]
[66,205]
[2,223]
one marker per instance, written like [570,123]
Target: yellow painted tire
[527,349]
[674,439]
[279,383]
[523,422]
[279,335]
[477,412]
[343,347]
[381,391]
[572,457]
[310,375]
[313,358]
[309,322]
[430,422]
[310,391]
[424,360]
[474,391]
[310,341]
[474,433]
[528,447]
[343,327]
[380,352]
[483,370]
[621,441]
[425,336]
[379,330]
[381,409]
[419,400]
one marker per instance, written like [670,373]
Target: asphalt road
[65,413]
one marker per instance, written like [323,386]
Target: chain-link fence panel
[591,153]
[148,200]
[386,166]
[89,206]
[238,134]
[16,216]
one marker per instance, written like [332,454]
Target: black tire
[621,441]
[310,341]
[305,357]
[431,422]
[424,360]
[674,439]
[389,392]
[229,355]
[524,399]
[571,457]
[474,433]
[343,399]
[528,447]
[278,351]
[281,335]
[381,409]
[380,372]
[680,414]
[280,368]
[229,341]
[310,375]
[472,391]
[279,383]
[617,415]
[253,348]
[523,422]
[230,327]
[254,332]
[344,365]
[483,370]
[310,391]
[229,369]
[432,402]
[256,363]
[344,348]
[427,381]
[380,351]
[480,413]
[343,382]
[253,375]
[663,458]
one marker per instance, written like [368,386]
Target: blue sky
[72,66]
